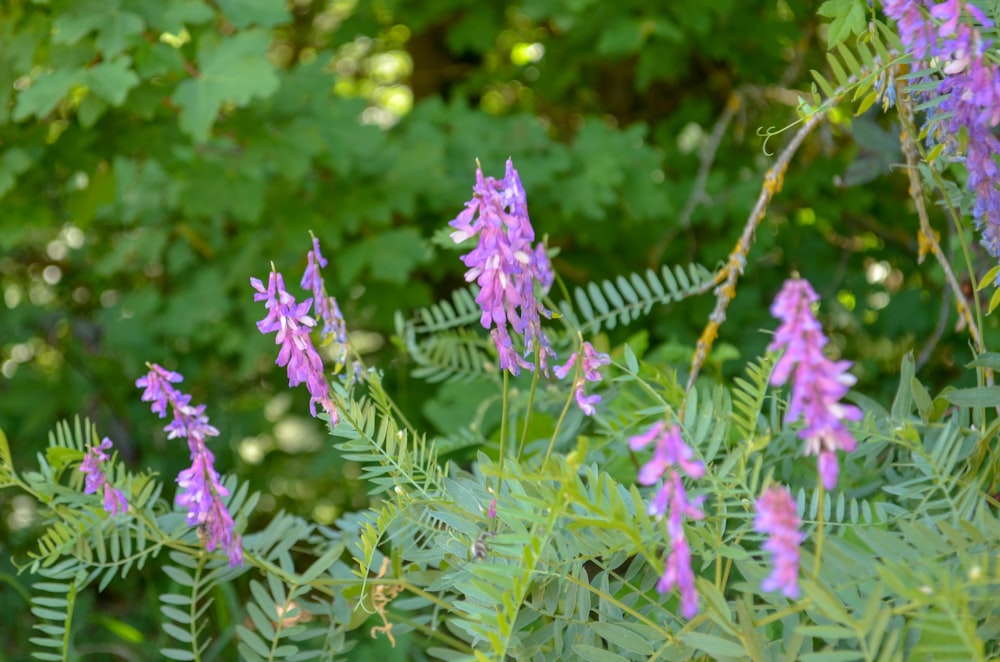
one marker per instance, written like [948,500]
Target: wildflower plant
[201,491]
[97,479]
[507,267]
[818,384]
[667,515]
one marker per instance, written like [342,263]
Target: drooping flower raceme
[96,480]
[325,306]
[670,453]
[506,267]
[200,492]
[818,383]
[969,93]
[292,325]
[589,366]
[778,519]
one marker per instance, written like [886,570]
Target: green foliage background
[156,154]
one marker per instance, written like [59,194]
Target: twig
[724,283]
[928,234]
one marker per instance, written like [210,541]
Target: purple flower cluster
[589,365]
[670,454]
[325,306]
[969,91]
[777,518]
[293,324]
[818,384]
[114,500]
[506,267]
[201,492]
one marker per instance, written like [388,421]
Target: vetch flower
[506,267]
[158,389]
[96,480]
[670,454]
[325,306]
[818,383]
[201,491]
[592,361]
[670,450]
[966,99]
[777,518]
[292,324]
[677,572]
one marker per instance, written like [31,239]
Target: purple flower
[292,324]
[776,517]
[492,512]
[818,384]
[592,361]
[326,308]
[506,267]
[914,30]
[201,491]
[96,479]
[670,454]
[966,100]
[158,389]
[677,572]
[670,450]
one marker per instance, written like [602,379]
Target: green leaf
[903,402]
[622,638]
[715,646]
[45,93]
[827,603]
[13,162]
[595,654]
[90,110]
[174,15]
[253,641]
[989,360]
[848,19]
[977,396]
[112,80]
[243,13]
[922,398]
[114,27]
[233,70]
[322,563]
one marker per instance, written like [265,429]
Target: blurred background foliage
[156,154]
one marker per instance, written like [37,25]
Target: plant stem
[555,433]
[503,426]
[817,561]
[531,403]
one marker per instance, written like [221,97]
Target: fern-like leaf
[606,304]
[748,397]
[52,603]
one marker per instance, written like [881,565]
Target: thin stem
[724,283]
[562,415]
[910,151]
[194,625]
[820,520]
[503,426]
[531,402]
